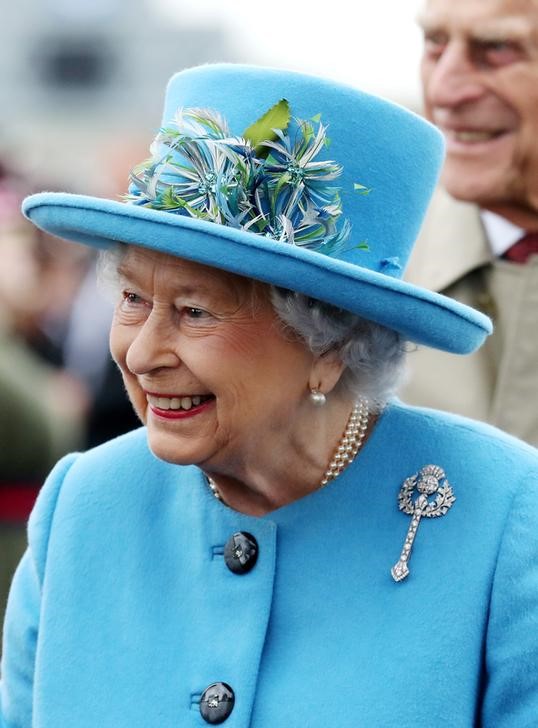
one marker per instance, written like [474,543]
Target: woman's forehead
[138,264]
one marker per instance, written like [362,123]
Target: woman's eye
[195,313]
[131,302]
[131,299]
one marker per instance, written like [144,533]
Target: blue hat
[290,179]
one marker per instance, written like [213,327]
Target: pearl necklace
[346,450]
[351,441]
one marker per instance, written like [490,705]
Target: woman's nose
[452,79]
[152,348]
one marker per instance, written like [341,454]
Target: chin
[171,451]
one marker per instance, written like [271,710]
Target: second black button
[217,702]
[241,552]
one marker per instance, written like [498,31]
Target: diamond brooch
[435,498]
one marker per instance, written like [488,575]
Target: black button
[217,702]
[241,552]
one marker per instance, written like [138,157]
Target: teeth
[474,136]
[174,403]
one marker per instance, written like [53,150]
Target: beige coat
[498,383]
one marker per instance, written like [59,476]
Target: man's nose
[453,79]
[152,348]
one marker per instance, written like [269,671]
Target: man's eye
[498,53]
[434,44]
[502,53]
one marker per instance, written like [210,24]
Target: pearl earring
[317,398]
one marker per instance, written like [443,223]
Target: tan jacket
[498,383]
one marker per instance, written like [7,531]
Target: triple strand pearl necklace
[351,441]
[346,450]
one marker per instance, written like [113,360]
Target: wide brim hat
[368,188]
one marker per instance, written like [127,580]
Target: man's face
[480,79]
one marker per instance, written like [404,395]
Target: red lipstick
[180,414]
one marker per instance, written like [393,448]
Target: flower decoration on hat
[269,181]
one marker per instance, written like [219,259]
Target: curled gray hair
[108,263]
[373,355]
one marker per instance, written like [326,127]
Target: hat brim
[421,316]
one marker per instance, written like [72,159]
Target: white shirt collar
[501,233]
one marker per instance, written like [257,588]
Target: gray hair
[372,354]
[106,270]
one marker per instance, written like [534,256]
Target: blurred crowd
[59,389]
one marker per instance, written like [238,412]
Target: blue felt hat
[290,179]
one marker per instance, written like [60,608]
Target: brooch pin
[429,481]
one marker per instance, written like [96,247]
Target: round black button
[241,552]
[217,702]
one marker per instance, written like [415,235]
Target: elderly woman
[283,543]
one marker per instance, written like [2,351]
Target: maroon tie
[521,251]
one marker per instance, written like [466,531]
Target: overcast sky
[374,44]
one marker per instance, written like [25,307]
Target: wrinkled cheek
[117,346]
[118,350]
[136,395]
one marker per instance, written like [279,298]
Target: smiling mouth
[473,136]
[178,403]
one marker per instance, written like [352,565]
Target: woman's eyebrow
[128,274]
[124,271]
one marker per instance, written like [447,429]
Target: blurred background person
[59,390]
[70,75]
[42,407]
[480,241]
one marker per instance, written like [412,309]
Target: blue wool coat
[122,611]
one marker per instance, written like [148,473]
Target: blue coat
[123,611]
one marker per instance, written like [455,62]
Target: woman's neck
[290,467]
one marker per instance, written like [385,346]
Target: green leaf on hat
[278,117]
[361,189]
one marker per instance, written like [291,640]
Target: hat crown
[383,148]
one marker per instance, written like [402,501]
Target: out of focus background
[81,90]
[81,81]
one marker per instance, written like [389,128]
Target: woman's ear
[326,372]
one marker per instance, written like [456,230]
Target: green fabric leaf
[278,117]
